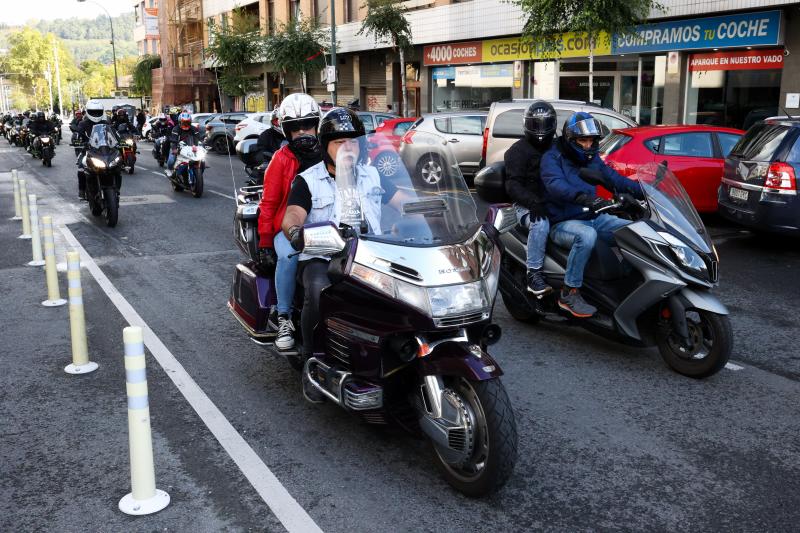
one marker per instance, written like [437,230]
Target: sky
[20,11]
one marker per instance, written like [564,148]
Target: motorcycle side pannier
[252,297]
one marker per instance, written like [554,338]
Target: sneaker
[285,338]
[572,302]
[536,283]
[310,392]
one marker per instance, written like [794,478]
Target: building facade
[145,29]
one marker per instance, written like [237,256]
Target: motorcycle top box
[405,317]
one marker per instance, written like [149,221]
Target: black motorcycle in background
[101,168]
[42,148]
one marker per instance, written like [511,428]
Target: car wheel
[430,169]
[387,163]
[221,145]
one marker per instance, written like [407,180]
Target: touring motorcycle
[654,287]
[406,323]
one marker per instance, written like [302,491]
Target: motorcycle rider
[73,124]
[524,186]
[39,126]
[298,118]
[183,132]
[314,198]
[122,123]
[95,114]
[162,127]
[573,204]
[271,139]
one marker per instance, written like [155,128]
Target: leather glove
[266,258]
[538,211]
[627,200]
[296,238]
[594,203]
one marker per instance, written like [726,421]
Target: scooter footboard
[460,359]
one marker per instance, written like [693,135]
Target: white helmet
[95,111]
[298,111]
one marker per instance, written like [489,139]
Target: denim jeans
[171,160]
[537,237]
[580,236]
[285,273]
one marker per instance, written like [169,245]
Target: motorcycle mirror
[322,239]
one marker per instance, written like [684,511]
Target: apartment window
[271,15]
[350,10]
[152,3]
[224,21]
[294,10]
[321,11]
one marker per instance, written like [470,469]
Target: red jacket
[277,183]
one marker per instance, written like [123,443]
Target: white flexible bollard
[144,497]
[77,322]
[36,241]
[23,200]
[53,295]
[17,203]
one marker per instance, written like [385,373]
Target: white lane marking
[221,194]
[157,173]
[283,505]
[731,366]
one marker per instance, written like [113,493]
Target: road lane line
[221,194]
[157,173]
[731,366]
[283,505]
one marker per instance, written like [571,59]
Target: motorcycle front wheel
[711,344]
[494,437]
[111,199]
[197,186]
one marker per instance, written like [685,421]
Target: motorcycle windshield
[671,207]
[103,136]
[388,196]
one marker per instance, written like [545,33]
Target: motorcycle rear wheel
[712,339]
[495,448]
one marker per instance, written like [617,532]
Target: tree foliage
[233,47]
[142,81]
[97,28]
[297,48]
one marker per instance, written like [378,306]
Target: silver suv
[504,123]
[462,131]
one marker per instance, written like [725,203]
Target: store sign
[748,29]
[745,60]
[518,48]
[452,54]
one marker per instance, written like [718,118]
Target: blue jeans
[537,237]
[580,236]
[285,273]
[171,160]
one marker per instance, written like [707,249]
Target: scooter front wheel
[491,437]
[710,345]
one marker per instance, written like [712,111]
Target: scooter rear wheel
[711,337]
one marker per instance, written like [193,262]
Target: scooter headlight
[97,162]
[686,257]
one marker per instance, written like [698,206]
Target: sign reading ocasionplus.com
[748,29]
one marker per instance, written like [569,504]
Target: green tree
[234,46]
[98,79]
[142,74]
[387,18]
[297,48]
[547,19]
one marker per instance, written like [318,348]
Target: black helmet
[340,123]
[539,123]
[40,116]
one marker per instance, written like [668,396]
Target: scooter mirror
[322,239]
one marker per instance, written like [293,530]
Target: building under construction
[182,80]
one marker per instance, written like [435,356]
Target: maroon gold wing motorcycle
[405,325]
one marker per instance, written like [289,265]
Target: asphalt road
[609,437]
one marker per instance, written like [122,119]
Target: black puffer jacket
[523,178]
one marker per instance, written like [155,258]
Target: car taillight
[239,126]
[407,137]
[485,143]
[780,176]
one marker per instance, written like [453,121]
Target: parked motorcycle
[128,151]
[42,147]
[255,160]
[656,291]
[406,321]
[102,165]
[159,152]
[190,164]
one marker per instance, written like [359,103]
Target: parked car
[463,131]
[252,126]
[504,123]
[372,119]
[220,131]
[695,154]
[759,181]
[393,129]
[199,120]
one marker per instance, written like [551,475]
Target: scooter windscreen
[671,207]
[396,202]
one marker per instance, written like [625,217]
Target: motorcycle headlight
[129,142]
[96,162]
[45,139]
[686,257]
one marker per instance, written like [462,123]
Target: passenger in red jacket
[299,120]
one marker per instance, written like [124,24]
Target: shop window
[471,86]
[688,144]
[653,144]
[727,141]
[466,125]
[651,103]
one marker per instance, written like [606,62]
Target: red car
[696,154]
[384,143]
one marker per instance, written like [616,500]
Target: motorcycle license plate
[738,194]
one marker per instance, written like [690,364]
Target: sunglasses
[301,124]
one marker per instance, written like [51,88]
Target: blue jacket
[562,184]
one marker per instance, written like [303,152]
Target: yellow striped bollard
[77,323]
[23,200]
[53,295]
[144,497]
[17,203]
[36,241]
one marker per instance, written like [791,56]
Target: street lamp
[113,47]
